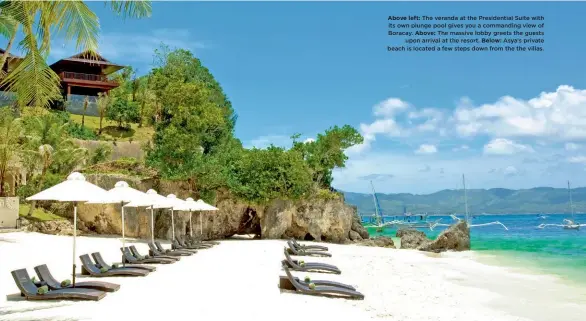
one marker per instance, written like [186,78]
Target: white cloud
[389,107]
[132,47]
[577,159]
[309,140]
[426,149]
[460,148]
[502,146]
[560,114]
[266,141]
[572,146]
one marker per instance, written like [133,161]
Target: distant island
[539,200]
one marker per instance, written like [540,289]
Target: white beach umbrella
[174,204]
[154,201]
[123,193]
[192,205]
[76,190]
[203,207]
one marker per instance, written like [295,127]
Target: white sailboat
[379,225]
[467,215]
[568,224]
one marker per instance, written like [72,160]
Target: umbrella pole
[152,226]
[123,240]
[172,225]
[200,225]
[190,225]
[74,237]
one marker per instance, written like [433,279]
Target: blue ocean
[551,250]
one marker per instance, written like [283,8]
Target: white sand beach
[237,280]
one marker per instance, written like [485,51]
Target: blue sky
[514,120]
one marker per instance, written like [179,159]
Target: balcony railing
[86,77]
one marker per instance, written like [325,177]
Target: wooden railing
[87,77]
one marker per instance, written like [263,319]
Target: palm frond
[132,9]
[79,22]
[7,25]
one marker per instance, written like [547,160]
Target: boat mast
[571,204]
[376,213]
[465,199]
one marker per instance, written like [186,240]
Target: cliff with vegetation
[186,147]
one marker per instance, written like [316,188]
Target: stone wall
[8,212]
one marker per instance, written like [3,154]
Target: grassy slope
[111,131]
[38,214]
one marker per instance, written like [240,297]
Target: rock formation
[379,241]
[411,238]
[315,219]
[454,238]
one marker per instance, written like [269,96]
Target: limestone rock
[354,236]
[379,241]
[57,227]
[358,227]
[454,238]
[411,238]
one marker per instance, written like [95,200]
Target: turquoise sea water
[551,250]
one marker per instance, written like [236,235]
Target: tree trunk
[101,117]
[2,174]
[7,50]
[39,186]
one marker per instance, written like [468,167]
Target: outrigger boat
[568,224]
[408,220]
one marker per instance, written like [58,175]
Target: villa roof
[88,58]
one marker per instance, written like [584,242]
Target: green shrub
[75,130]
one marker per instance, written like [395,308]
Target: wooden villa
[81,74]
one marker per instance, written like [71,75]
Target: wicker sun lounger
[176,246]
[128,257]
[308,247]
[321,290]
[300,252]
[155,252]
[45,275]
[309,266]
[88,267]
[102,263]
[195,246]
[286,284]
[29,290]
[137,254]
[169,251]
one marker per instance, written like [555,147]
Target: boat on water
[467,215]
[407,220]
[567,224]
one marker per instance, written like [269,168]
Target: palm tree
[34,82]
[10,134]
[103,102]
[86,102]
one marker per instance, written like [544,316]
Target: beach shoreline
[238,279]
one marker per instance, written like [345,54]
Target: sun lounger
[102,263]
[284,281]
[30,291]
[295,265]
[321,290]
[300,252]
[308,247]
[195,240]
[169,251]
[88,267]
[45,276]
[193,245]
[155,252]
[176,246]
[127,257]
[137,254]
